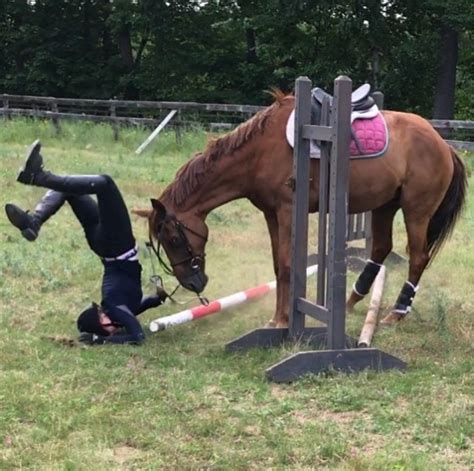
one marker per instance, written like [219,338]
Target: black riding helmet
[89,321]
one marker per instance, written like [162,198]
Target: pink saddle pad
[371,135]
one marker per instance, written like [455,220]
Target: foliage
[229,50]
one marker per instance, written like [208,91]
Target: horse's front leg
[272,225]
[282,253]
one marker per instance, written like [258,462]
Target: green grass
[180,401]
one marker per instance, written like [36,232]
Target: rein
[156,251]
[156,279]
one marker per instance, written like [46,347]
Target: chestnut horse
[419,173]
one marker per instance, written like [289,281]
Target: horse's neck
[224,183]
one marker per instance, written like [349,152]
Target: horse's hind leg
[417,227]
[382,225]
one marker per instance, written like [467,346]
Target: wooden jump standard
[336,351]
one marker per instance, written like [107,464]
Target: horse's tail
[444,219]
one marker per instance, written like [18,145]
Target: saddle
[361,102]
[369,134]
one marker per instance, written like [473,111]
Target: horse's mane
[191,175]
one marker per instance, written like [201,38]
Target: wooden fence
[211,116]
[146,113]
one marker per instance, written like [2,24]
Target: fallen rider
[108,230]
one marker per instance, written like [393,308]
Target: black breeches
[106,223]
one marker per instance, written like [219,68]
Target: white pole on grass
[371,319]
[218,305]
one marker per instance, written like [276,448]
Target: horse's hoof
[282,325]
[352,301]
[392,319]
[272,324]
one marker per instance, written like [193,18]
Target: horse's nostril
[197,283]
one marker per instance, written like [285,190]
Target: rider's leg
[86,211]
[115,229]
[29,223]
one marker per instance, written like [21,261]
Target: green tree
[450,18]
[418,53]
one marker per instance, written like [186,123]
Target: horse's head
[184,240]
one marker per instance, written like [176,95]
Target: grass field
[179,401]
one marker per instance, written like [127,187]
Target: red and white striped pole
[217,305]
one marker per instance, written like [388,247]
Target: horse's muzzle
[195,282]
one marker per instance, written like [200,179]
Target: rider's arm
[148,302]
[123,316]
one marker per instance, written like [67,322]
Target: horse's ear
[144,213]
[159,209]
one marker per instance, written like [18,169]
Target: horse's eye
[174,241]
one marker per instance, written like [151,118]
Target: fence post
[6,105]
[54,109]
[113,113]
[338,202]
[299,232]
[177,129]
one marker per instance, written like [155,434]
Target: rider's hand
[90,339]
[161,293]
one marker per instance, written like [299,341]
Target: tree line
[418,52]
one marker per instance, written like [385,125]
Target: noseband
[191,257]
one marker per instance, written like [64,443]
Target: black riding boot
[29,223]
[33,174]
[34,164]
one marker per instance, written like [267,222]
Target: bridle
[182,228]
[193,258]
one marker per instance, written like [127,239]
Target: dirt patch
[343,418]
[253,430]
[214,391]
[402,404]
[457,460]
[374,444]
[135,364]
[279,392]
[125,453]
[63,341]
[8,441]
[303,417]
